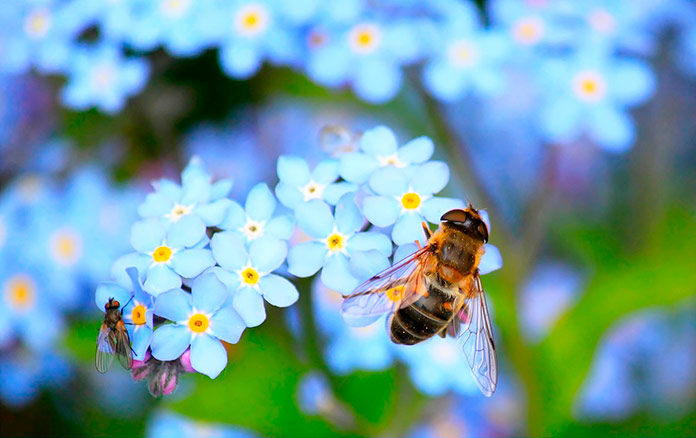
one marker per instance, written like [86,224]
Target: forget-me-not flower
[299,184]
[201,320]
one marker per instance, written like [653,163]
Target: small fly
[113,339]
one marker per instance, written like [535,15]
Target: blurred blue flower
[379,148]
[101,76]
[137,307]
[165,255]
[23,374]
[298,184]
[405,199]
[248,274]
[336,240]
[256,218]
[197,196]
[201,320]
[590,93]
[170,425]
[530,25]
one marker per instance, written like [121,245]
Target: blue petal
[369,240]
[631,82]
[161,278]
[249,304]
[221,188]
[240,60]
[379,141]
[185,232]
[170,341]
[140,261]
[356,167]
[229,251]
[278,291]
[156,204]
[227,325]
[334,192]
[208,355]
[389,181]
[306,258]
[146,235]
[267,253]
[140,340]
[280,227]
[314,218]
[168,188]
[377,80]
[214,212]
[289,195]
[326,171]
[348,217]
[405,250]
[174,305]
[230,279]
[419,150]
[195,191]
[444,81]
[293,170]
[437,176]
[328,66]
[107,290]
[191,262]
[433,208]
[408,229]
[260,203]
[365,264]
[194,171]
[611,128]
[381,211]
[559,120]
[208,293]
[337,274]
[491,260]
[235,218]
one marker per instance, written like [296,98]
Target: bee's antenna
[469,204]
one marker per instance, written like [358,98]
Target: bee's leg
[426,230]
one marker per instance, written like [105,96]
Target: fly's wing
[475,334]
[123,346]
[105,350]
[394,288]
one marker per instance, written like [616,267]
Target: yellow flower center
[364,38]
[250,276]
[463,54]
[198,323]
[528,30]
[20,292]
[252,20]
[589,86]
[138,314]
[395,293]
[66,246]
[411,201]
[162,254]
[335,242]
[38,23]
[178,211]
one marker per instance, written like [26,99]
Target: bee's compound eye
[456,215]
[115,303]
[483,231]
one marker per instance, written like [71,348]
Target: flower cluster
[585,59]
[204,265]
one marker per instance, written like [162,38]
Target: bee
[113,339]
[436,291]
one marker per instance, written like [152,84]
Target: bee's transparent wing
[123,346]
[391,289]
[105,350]
[475,335]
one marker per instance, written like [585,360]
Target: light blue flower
[590,93]
[335,242]
[201,320]
[248,274]
[101,76]
[405,199]
[165,255]
[256,218]
[169,424]
[379,148]
[298,184]
[197,196]
[137,307]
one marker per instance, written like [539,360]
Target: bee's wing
[105,350]
[123,346]
[391,289]
[475,334]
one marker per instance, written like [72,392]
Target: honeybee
[113,339]
[436,290]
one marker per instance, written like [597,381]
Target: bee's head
[467,220]
[112,304]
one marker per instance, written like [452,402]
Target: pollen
[162,254]
[411,201]
[250,276]
[528,30]
[20,292]
[364,38]
[66,246]
[252,20]
[589,86]
[312,190]
[178,211]
[138,314]
[335,242]
[252,229]
[198,323]
[38,23]
[395,293]
[391,160]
